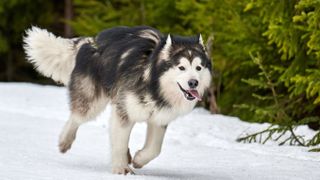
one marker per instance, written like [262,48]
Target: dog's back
[119,54]
[126,33]
[114,53]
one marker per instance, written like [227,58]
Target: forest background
[265,53]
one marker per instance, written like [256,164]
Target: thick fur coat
[143,74]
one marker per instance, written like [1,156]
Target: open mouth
[190,94]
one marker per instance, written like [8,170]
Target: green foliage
[276,110]
[291,74]
[15,17]
[169,16]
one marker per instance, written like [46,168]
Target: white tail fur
[52,56]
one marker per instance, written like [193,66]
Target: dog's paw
[66,139]
[136,165]
[122,170]
[143,157]
[64,146]
[138,160]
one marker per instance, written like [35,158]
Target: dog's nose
[193,83]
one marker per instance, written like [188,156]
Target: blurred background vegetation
[266,53]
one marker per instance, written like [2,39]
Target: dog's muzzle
[190,94]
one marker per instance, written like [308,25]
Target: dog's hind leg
[152,147]
[86,103]
[120,130]
[68,134]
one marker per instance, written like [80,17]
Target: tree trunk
[213,106]
[68,14]
[142,13]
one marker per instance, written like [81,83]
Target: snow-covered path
[197,146]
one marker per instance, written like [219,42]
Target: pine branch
[295,137]
[315,140]
[314,150]
[270,131]
[257,60]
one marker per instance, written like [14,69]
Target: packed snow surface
[197,146]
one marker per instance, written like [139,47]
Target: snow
[197,146]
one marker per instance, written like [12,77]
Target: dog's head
[186,69]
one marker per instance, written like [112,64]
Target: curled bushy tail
[52,56]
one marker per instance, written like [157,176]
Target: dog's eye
[182,68]
[198,68]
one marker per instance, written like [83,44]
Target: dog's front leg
[152,147]
[120,130]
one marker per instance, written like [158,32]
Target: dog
[144,75]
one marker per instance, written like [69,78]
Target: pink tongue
[195,94]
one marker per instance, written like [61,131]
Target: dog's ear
[164,54]
[200,41]
[168,44]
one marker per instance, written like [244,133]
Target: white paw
[64,146]
[66,138]
[138,160]
[144,156]
[122,170]
[65,142]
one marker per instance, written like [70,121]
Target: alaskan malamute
[143,74]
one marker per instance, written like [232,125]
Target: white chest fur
[138,112]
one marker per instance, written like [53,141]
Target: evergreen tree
[287,88]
